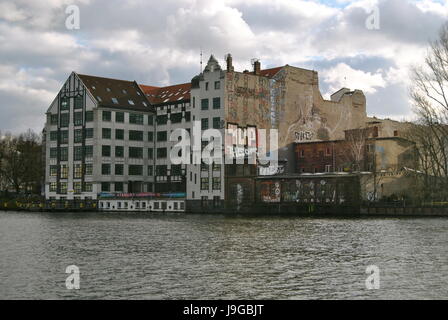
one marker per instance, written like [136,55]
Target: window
[176,170]
[64,154]
[161,170]
[188,116]
[135,170]
[161,153]
[395,133]
[119,151]
[206,86]
[77,187]
[65,119]
[54,119]
[64,136]
[88,187]
[204,104]
[118,187]
[114,101]
[217,123]
[89,169]
[302,153]
[65,103]
[204,124]
[327,168]
[150,153]
[161,136]
[150,170]
[119,169]
[135,135]
[88,151]
[105,151]
[216,103]
[105,169]
[89,133]
[63,187]
[162,119]
[119,134]
[53,171]
[77,153]
[53,187]
[216,167]
[328,151]
[131,102]
[135,152]
[217,85]
[204,167]
[77,171]
[204,184]
[119,117]
[78,136]
[107,133]
[176,117]
[150,136]
[78,102]
[107,116]
[150,120]
[64,171]
[53,136]
[89,116]
[216,183]
[136,118]
[105,186]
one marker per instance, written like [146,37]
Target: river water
[177,256]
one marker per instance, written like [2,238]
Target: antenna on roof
[201,61]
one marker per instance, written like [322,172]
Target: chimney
[229,63]
[257,67]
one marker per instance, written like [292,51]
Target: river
[178,256]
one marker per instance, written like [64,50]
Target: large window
[89,169]
[64,136]
[162,119]
[65,103]
[135,152]
[204,124]
[217,123]
[53,152]
[89,133]
[119,169]
[118,187]
[54,119]
[77,187]
[216,103]
[150,153]
[204,184]
[105,151]
[105,186]
[107,132]
[64,171]
[161,136]
[107,116]
[105,169]
[150,120]
[161,153]
[119,134]
[53,136]
[119,117]
[217,85]
[77,118]
[53,171]
[150,136]
[63,154]
[78,136]
[89,116]
[77,171]
[204,104]
[176,170]
[78,102]
[135,170]
[65,119]
[63,187]
[53,186]
[135,135]
[150,170]
[216,183]
[176,117]
[161,170]
[88,187]
[77,153]
[88,151]
[119,151]
[136,118]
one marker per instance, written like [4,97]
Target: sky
[159,43]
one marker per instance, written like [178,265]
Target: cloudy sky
[158,43]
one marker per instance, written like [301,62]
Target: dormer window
[93,87]
[99,98]
[124,91]
[114,100]
[108,89]
[144,103]
[131,102]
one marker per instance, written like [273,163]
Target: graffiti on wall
[303,136]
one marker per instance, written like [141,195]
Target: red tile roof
[269,73]
[170,94]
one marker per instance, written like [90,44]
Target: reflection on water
[147,256]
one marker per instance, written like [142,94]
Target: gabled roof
[116,93]
[170,94]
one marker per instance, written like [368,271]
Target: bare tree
[429,94]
